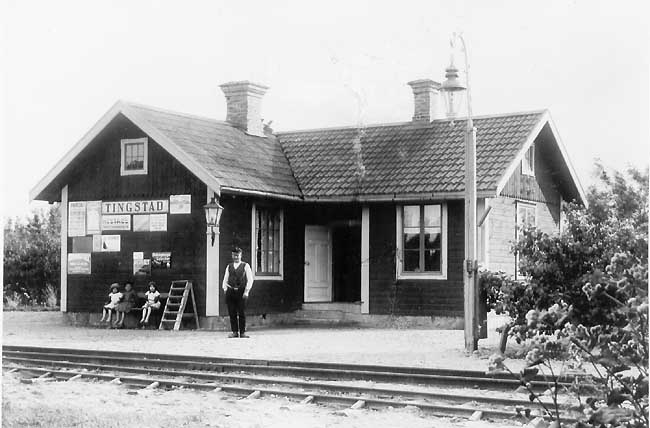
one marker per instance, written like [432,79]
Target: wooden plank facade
[335,197]
[390,295]
[96,177]
[542,191]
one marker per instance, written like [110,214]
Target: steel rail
[274,363]
[256,380]
[312,369]
[369,402]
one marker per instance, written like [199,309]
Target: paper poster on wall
[82,244]
[77,218]
[141,266]
[161,260]
[116,222]
[93,217]
[180,204]
[158,223]
[146,267]
[79,264]
[110,243]
[138,255]
[97,243]
[141,223]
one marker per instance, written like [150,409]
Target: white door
[318,264]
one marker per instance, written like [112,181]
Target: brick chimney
[244,102]
[425,94]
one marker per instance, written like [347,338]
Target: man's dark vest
[237,277]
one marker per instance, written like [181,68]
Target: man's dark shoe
[231,335]
[243,335]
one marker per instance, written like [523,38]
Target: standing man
[237,283]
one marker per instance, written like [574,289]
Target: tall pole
[470,271]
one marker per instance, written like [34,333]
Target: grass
[30,308]
[14,301]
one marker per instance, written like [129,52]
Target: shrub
[617,351]
[32,255]
[612,229]
[586,297]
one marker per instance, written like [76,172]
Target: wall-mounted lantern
[213,213]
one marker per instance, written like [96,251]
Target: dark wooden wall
[267,296]
[270,296]
[414,297]
[95,175]
[404,297]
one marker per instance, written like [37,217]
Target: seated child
[153,302]
[126,304]
[114,298]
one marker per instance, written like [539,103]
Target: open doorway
[346,263]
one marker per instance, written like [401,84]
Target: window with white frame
[525,218]
[267,242]
[528,161]
[422,241]
[133,156]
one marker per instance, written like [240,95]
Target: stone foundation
[222,323]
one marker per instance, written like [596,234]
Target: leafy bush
[586,297]
[613,228]
[617,351]
[32,257]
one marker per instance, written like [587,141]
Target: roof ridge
[331,128]
[177,113]
[496,115]
[409,123]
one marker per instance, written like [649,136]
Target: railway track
[434,391]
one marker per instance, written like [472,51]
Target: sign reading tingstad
[136,207]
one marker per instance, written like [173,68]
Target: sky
[330,63]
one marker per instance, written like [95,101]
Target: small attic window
[134,156]
[528,161]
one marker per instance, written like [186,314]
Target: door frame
[329,262]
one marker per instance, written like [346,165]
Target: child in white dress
[153,302]
[114,298]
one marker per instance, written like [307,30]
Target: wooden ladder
[179,293]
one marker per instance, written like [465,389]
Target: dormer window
[528,161]
[134,156]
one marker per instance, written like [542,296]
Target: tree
[586,296]
[32,258]
[557,267]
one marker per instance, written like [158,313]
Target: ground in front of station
[96,404]
[393,347]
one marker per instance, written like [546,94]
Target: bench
[132,318]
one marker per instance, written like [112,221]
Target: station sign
[136,207]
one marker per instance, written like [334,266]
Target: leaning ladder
[179,294]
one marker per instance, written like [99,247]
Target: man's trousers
[236,309]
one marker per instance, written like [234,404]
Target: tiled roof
[378,161]
[403,158]
[234,158]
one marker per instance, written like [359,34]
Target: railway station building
[365,221]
